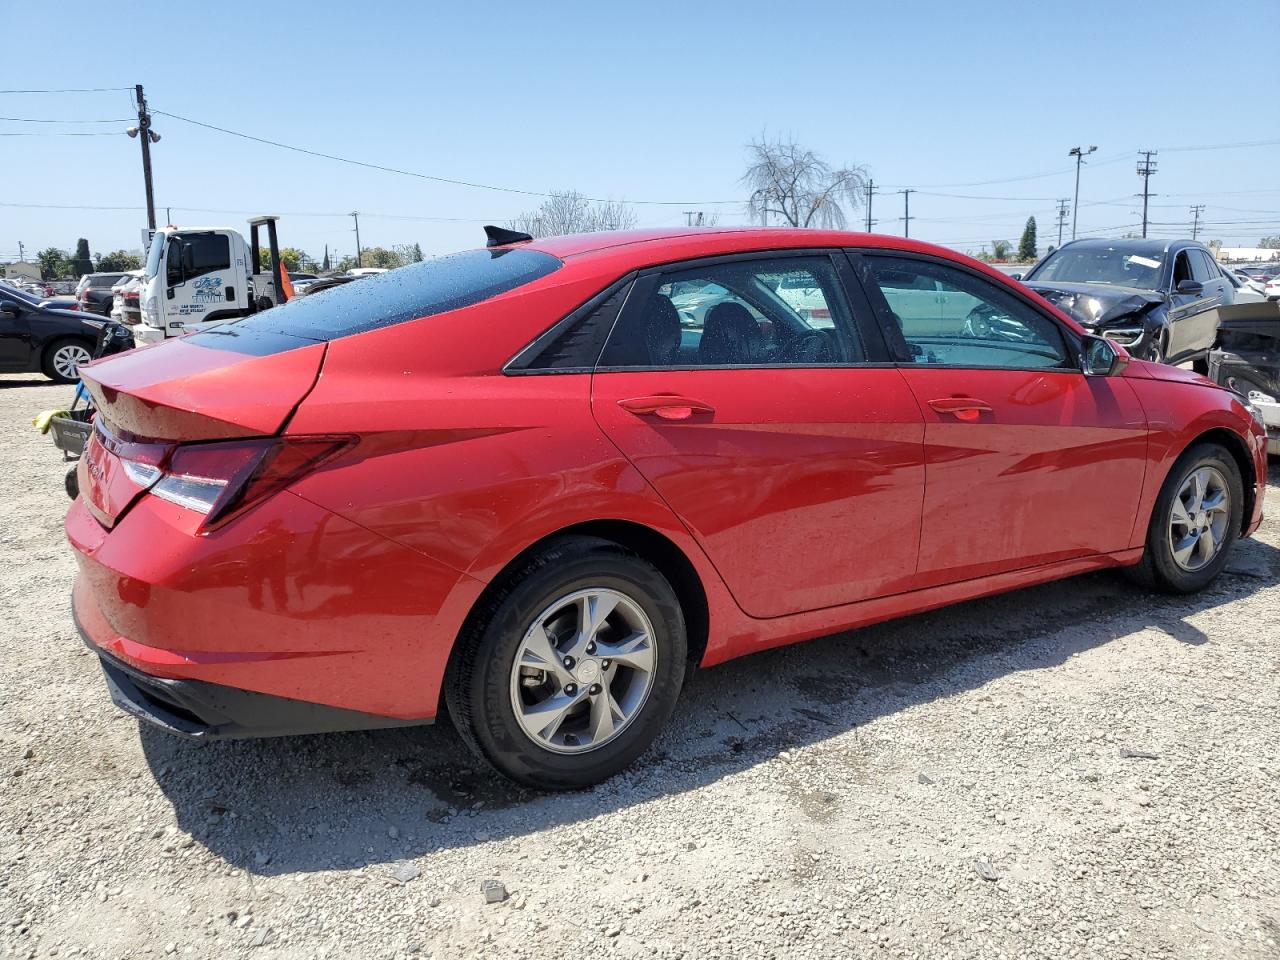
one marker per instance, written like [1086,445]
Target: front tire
[62,359]
[1195,523]
[567,673]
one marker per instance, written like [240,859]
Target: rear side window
[418,290]
[759,311]
[1202,267]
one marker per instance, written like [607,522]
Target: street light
[1079,154]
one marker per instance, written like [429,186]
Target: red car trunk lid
[177,392]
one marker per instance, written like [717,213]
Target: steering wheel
[809,347]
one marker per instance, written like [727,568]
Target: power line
[38,120]
[61,133]
[1146,167]
[428,176]
[906,211]
[73,90]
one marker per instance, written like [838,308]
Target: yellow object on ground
[42,421]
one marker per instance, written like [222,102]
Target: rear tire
[1191,534]
[62,359]
[500,692]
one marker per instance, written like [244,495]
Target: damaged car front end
[1132,318]
[1246,359]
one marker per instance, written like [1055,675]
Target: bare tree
[570,212]
[798,188]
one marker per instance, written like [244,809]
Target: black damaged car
[1156,297]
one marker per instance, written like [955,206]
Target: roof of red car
[642,247]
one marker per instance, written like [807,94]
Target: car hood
[1095,304]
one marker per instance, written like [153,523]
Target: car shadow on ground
[343,801]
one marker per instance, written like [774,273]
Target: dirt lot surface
[1075,770]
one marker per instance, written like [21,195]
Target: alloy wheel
[1198,518]
[68,358]
[583,671]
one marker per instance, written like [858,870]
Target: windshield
[1107,265]
[407,293]
[153,255]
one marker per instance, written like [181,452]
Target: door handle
[666,406]
[964,408]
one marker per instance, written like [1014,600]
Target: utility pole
[1062,217]
[168,217]
[871,192]
[694,218]
[148,136]
[1196,210]
[1079,154]
[21,252]
[355,215]
[906,211]
[1146,167]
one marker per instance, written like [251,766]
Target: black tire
[478,682]
[1159,349]
[48,360]
[1243,383]
[72,482]
[1158,570]
[1200,365]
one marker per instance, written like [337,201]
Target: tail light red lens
[224,478]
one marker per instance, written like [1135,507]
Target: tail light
[225,478]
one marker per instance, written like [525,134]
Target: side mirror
[1015,276]
[1192,288]
[8,310]
[1100,357]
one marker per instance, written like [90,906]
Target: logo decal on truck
[208,289]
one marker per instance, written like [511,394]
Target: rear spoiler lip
[179,391]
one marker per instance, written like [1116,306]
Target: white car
[130,281]
[1272,289]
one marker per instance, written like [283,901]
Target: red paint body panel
[1001,486]
[296,603]
[791,483]
[175,389]
[806,500]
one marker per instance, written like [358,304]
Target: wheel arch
[1239,450]
[644,541]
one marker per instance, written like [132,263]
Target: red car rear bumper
[286,610]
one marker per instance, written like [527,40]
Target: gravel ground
[1074,770]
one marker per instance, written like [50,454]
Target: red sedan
[538,482]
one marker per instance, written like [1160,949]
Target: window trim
[520,365]
[648,279]
[1071,340]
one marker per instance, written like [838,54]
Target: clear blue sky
[645,101]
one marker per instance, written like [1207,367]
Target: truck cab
[198,277]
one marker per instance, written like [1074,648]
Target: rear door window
[761,311]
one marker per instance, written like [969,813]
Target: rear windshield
[418,290]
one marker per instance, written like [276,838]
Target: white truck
[198,277]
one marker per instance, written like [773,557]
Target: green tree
[1027,245]
[82,263]
[1270,243]
[117,261]
[292,258]
[345,264]
[1000,249]
[380,257]
[54,264]
[408,253]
